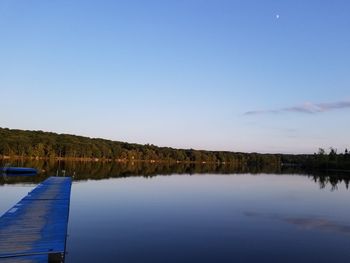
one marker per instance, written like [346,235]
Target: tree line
[48,145]
[39,144]
[331,160]
[321,160]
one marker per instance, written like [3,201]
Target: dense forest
[39,144]
[48,145]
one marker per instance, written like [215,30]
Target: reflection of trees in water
[101,170]
[333,180]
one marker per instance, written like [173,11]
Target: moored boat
[18,171]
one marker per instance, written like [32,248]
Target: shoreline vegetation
[39,145]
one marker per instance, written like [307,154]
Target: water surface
[204,217]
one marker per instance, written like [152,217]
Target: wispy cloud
[307,108]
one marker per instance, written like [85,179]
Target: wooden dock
[35,229]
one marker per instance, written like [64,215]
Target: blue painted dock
[35,229]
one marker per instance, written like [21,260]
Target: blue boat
[19,171]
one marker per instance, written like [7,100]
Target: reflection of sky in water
[208,218]
[322,224]
[307,223]
[11,194]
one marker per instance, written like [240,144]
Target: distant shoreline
[39,145]
[105,160]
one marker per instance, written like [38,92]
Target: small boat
[18,171]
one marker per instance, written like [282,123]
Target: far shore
[104,160]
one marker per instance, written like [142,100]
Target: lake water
[201,216]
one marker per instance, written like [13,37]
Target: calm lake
[148,213]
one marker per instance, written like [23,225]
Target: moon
[277,16]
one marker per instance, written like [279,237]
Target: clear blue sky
[266,76]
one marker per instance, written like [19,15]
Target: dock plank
[36,227]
